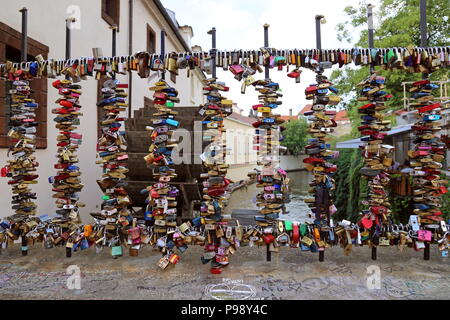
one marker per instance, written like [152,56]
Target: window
[10,44]
[151,40]
[111,12]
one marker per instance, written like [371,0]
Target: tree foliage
[295,136]
[397,24]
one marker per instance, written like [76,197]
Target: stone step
[138,141]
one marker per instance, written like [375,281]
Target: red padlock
[4,171]
[174,258]
[268,238]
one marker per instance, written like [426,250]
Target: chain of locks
[426,159]
[271,178]
[66,183]
[219,244]
[377,156]
[22,168]
[114,226]
[162,197]
[114,222]
[322,122]
[410,59]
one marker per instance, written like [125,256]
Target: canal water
[298,209]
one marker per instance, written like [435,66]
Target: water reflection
[298,209]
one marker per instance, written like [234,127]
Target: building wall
[241,157]
[239,138]
[46,24]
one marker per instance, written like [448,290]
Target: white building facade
[139,27]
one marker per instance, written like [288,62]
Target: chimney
[187,33]
[196,48]
[290,114]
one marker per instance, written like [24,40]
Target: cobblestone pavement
[290,275]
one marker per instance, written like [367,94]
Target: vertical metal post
[423,24]
[130,52]
[371,70]
[318,32]
[319,47]
[424,44]
[266,70]
[68,39]
[24,58]
[374,253]
[163,50]
[267,75]
[212,32]
[371,30]
[423,30]
[114,45]
[24,48]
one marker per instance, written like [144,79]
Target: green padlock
[170,104]
[105,198]
[303,229]
[116,251]
[288,225]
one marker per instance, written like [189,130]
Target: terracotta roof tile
[306,108]
[342,116]
[239,117]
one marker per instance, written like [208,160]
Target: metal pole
[424,44]
[423,24]
[321,256]
[24,33]
[426,253]
[318,32]
[68,40]
[319,47]
[114,36]
[212,32]
[267,72]
[163,50]
[24,48]
[371,30]
[423,30]
[371,70]
[267,75]
[130,52]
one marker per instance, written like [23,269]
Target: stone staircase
[140,176]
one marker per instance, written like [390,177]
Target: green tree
[295,136]
[397,24]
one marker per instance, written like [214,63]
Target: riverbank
[290,275]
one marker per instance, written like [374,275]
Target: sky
[239,25]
